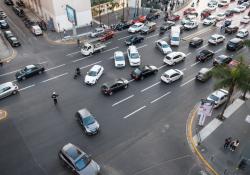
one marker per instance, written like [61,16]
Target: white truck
[175,36]
[91,48]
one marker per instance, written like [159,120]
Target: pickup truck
[90,48]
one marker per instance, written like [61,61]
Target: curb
[189,135]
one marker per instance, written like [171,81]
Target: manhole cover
[247,119]
[3,114]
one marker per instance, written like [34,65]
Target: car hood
[21,72]
[92,169]
[90,79]
[167,50]
[120,62]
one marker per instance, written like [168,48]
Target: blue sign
[71,14]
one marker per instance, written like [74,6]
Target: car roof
[118,53]
[196,39]
[162,42]
[235,40]
[205,51]
[232,25]
[7,84]
[172,54]
[222,56]
[216,35]
[36,27]
[243,30]
[95,68]
[132,48]
[246,17]
[171,72]
[30,66]
[72,151]
[84,112]
[220,93]
[204,70]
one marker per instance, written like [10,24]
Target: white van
[36,30]
[133,56]
[175,36]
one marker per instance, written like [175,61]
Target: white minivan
[36,30]
[133,56]
[175,36]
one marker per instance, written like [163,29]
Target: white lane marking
[73,53]
[27,87]
[162,66]
[124,37]
[14,81]
[108,42]
[123,100]
[152,36]
[110,58]
[197,33]
[151,86]
[142,46]
[83,58]
[110,49]
[183,69]
[10,72]
[202,47]
[43,62]
[160,97]
[129,81]
[134,112]
[54,67]
[54,77]
[188,54]
[218,50]
[195,63]
[187,82]
[90,65]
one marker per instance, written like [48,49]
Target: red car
[174,17]
[141,19]
[190,11]
[107,35]
[205,13]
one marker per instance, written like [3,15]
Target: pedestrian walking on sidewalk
[227,142]
[234,144]
[54,97]
[197,3]
[91,23]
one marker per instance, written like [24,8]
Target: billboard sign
[71,14]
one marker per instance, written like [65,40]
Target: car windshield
[220,15]
[92,73]
[210,18]
[119,58]
[165,46]
[166,75]
[137,71]
[82,162]
[231,43]
[213,38]
[134,26]
[175,38]
[88,120]
[134,55]
[213,97]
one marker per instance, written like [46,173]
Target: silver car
[7,89]
[78,161]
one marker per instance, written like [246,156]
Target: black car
[167,25]
[18,11]
[14,42]
[229,13]
[235,44]
[143,71]
[20,3]
[205,55]
[8,34]
[134,40]
[231,29]
[153,14]
[196,42]
[29,71]
[122,26]
[241,1]
[4,24]
[222,60]
[110,88]
[8,2]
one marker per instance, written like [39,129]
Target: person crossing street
[54,97]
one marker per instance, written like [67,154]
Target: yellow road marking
[3,114]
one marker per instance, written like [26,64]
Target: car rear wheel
[110,93]
[14,92]
[40,72]
[23,78]
[126,86]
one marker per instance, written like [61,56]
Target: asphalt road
[143,128]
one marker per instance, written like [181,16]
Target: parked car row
[11,38]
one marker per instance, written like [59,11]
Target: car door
[219,39]
[98,73]
[145,72]
[114,87]
[5,92]
[174,77]
[159,46]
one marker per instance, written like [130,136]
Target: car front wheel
[23,78]
[14,92]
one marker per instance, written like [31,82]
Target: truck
[175,36]
[91,48]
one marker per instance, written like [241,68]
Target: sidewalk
[211,139]
[6,51]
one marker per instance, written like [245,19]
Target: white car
[245,20]
[220,16]
[218,97]
[97,32]
[163,46]
[239,8]
[174,57]
[185,21]
[212,7]
[209,20]
[216,39]
[7,89]
[134,57]
[171,75]
[212,2]
[135,27]
[242,33]
[191,25]
[191,17]
[93,75]
[119,59]
[223,3]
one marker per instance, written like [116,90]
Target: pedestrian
[54,97]
[64,32]
[234,144]
[192,4]
[227,142]
[1,64]
[78,42]
[222,28]
[91,23]
[197,2]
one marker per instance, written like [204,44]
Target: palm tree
[231,78]
[247,43]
